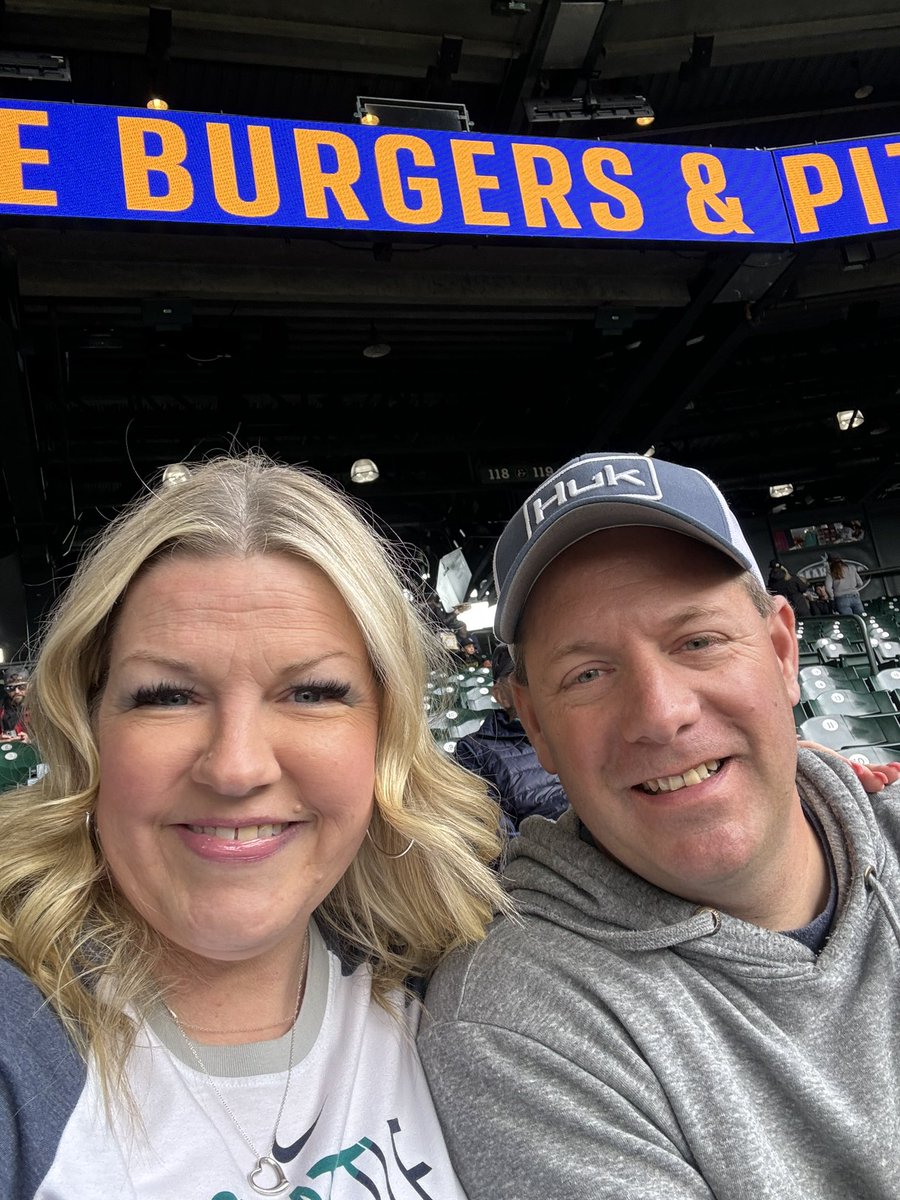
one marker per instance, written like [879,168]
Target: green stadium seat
[18,762]
[870,756]
[839,732]
[847,702]
[826,671]
[887,651]
[886,680]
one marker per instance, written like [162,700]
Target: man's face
[663,700]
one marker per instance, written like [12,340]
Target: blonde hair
[61,919]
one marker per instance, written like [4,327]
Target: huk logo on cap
[616,476]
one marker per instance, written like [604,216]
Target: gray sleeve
[521,1120]
[41,1078]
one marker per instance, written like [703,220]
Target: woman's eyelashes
[166,695]
[317,691]
[173,695]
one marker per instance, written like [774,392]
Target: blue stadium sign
[842,189]
[91,161]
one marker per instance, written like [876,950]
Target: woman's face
[237,733]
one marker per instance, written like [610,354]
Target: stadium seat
[887,652]
[825,671]
[871,755]
[886,680]
[813,689]
[17,762]
[840,732]
[851,703]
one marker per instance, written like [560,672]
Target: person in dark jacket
[782,583]
[12,704]
[501,753]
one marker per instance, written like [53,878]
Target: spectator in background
[12,714]
[820,601]
[501,753]
[470,649]
[843,583]
[783,583]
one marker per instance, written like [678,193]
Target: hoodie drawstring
[874,884]
[701,923]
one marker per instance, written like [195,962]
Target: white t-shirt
[358,1122]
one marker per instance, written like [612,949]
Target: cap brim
[580,521]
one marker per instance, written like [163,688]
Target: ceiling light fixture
[590,108]
[158,103]
[779,490]
[364,471]
[174,474]
[375,347]
[28,65]
[412,114]
[849,418]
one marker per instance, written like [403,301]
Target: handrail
[867,641]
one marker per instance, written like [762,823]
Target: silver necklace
[265,1163]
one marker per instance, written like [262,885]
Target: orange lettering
[315,181]
[392,197]
[592,164]
[13,155]
[137,164]
[267,199]
[804,199]
[553,193]
[470,184]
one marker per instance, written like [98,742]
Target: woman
[843,582]
[246,844]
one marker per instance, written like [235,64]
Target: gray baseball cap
[602,491]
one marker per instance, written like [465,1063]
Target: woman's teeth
[243,833]
[674,783]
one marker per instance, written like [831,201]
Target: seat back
[838,732]
[849,703]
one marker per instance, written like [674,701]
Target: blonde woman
[246,846]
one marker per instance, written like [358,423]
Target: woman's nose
[237,758]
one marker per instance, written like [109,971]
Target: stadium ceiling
[145,345]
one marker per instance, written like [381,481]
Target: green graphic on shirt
[380,1180]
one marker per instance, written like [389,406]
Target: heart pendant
[281,1180]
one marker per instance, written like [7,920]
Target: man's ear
[529,718]
[783,632]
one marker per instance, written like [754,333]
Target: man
[702,997]
[500,752]
[12,712]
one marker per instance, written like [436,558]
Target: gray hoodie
[620,1043]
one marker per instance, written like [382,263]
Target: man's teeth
[674,783]
[243,833]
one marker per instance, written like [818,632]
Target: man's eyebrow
[695,612]
[595,645]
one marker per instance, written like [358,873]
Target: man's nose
[237,756]
[660,701]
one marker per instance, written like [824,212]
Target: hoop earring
[412,842]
